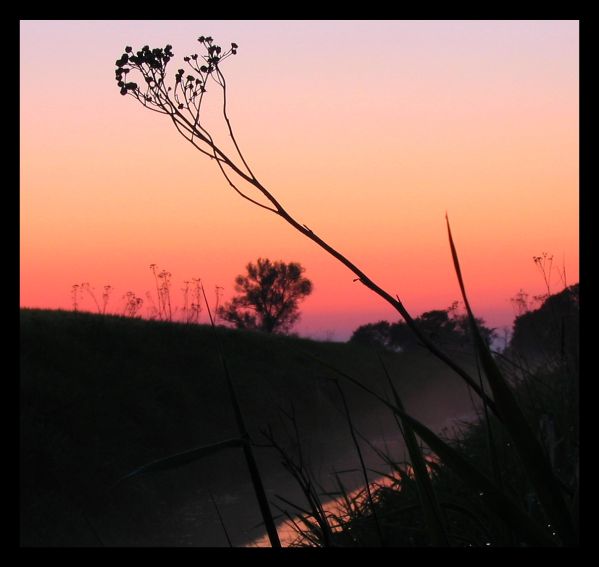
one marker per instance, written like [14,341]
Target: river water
[288,534]
[201,504]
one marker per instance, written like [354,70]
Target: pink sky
[368,131]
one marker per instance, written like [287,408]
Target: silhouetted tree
[443,327]
[373,334]
[269,297]
[551,330]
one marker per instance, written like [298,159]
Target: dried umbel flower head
[151,88]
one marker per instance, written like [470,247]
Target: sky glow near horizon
[367,131]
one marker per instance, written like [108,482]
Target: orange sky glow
[367,131]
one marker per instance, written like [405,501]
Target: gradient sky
[367,131]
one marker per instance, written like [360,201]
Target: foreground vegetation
[398,519]
[542,366]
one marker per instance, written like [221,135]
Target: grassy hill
[102,395]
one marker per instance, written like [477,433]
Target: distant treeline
[553,327]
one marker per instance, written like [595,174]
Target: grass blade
[430,505]
[503,506]
[306,485]
[296,506]
[496,500]
[182,459]
[528,447]
[250,460]
[362,464]
[220,519]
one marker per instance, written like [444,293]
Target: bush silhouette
[442,327]
[552,329]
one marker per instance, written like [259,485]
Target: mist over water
[438,407]
[442,404]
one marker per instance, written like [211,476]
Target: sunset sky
[367,131]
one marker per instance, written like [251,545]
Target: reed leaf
[183,458]
[345,494]
[362,463]
[296,506]
[494,498]
[220,519]
[426,493]
[500,503]
[250,459]
[527,445]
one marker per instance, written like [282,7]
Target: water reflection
[336,511]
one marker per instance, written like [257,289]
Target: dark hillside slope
[103,395]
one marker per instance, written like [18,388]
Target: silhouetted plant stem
[495,498]
[426,493]
[247,449]
[492,449]
[183,107]
[302,534]
[491,446]
[302,477]
[74,296]
[394,302]
[220,519]
[362,464]
[158,296]
[527,445]
[86,287]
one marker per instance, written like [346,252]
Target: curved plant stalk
[183,103]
